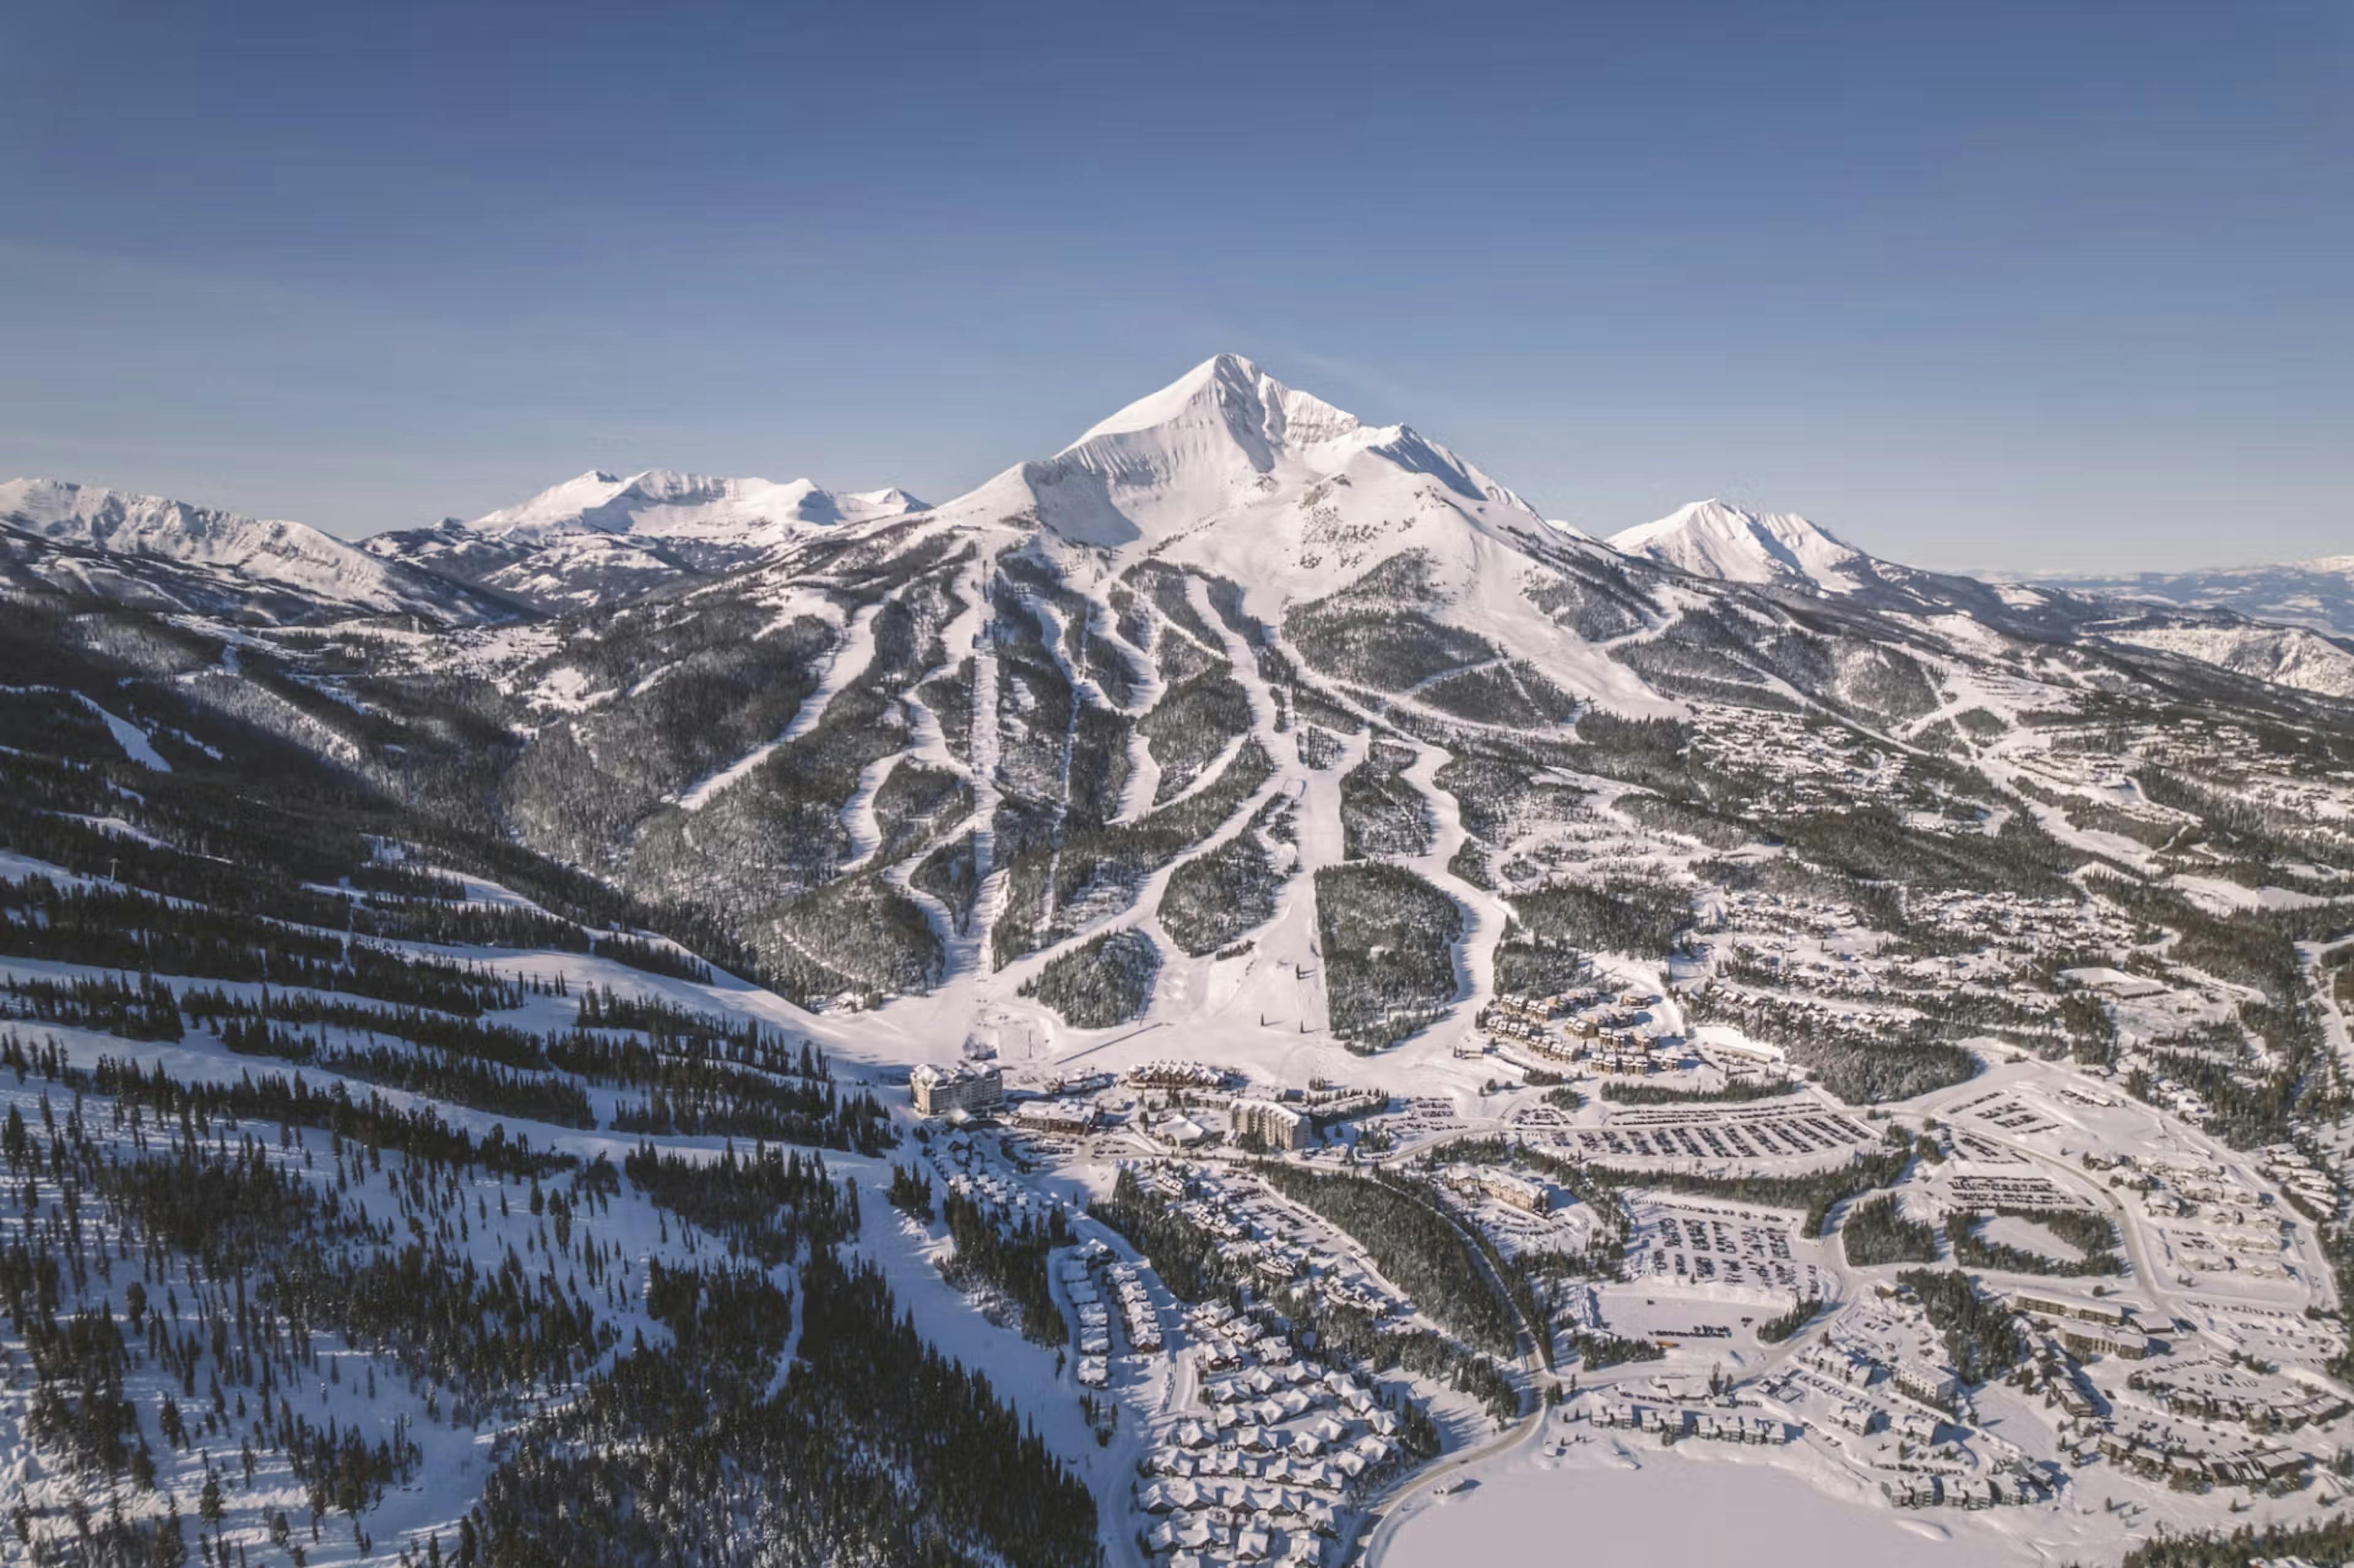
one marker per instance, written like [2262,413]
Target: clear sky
[2029,286]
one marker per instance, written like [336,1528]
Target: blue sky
[1992,285]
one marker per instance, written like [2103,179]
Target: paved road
[1381,1510]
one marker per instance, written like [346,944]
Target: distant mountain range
[2318,593]
[2196,615]
[87,542]
[1225,441]
[603,539]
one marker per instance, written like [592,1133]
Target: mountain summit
[1714,539]
[1227,441]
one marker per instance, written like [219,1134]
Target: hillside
[154,554]
[443,1020]
[600,538]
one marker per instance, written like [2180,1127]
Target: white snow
[2287,656]
[662,503]
[131,738]
[290,555]
[1713,538]
[1644,1510]
[1221,439]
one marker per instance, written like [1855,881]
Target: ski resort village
[1226,995]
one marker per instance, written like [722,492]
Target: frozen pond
[1672,1511]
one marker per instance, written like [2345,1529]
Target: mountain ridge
[2317,593]
[73,535]
[599,537]
[1224,469]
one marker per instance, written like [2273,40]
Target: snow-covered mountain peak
[664,501]
[1277,484]
[1715,538]
[107,519]
[218,553]
[599,537]
[1228,393]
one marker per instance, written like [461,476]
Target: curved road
[1384,1506]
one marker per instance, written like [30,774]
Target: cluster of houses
[1854,1367]
[2217,1402]
[1804,759]
[2162,1088]
[1199,1075]
[1774,1015]
[2015,923]
[1924,1454]
[1517,1018]
[1294,1272]
[1632,1054]
[1851,1409]
[965,1172]
[2197,1189]
[1708,1426]
[2212,1389]
[1230,1338]
[2159,1453]
[2303,1178]
[2249,1250]
[1920,1489]
[1848,975]
[1252,1235]
[1077,1272]
[1244,1524]
[1593,1024]
[2094,1327]
[1137,1314]
[2051,1372]
[1751,909]
[1284,1445]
